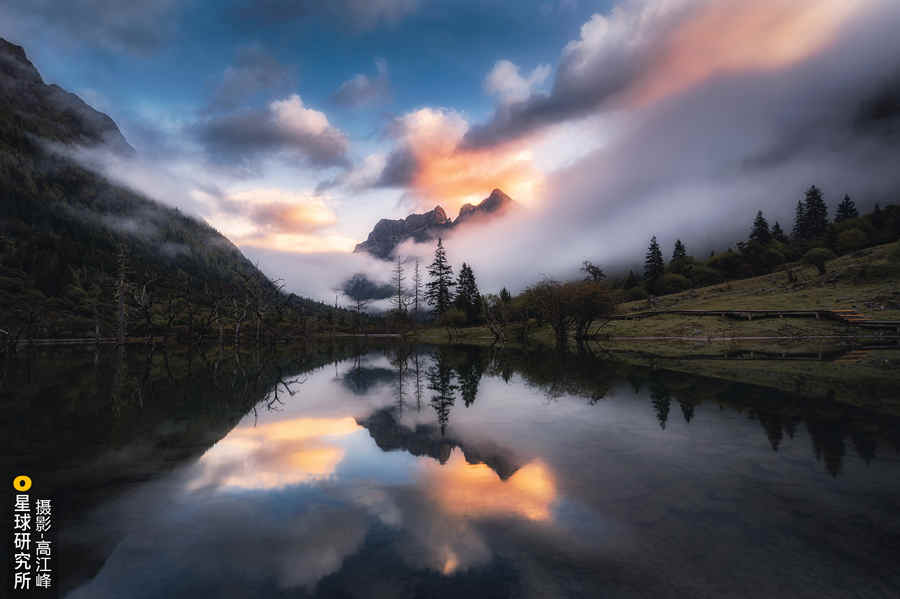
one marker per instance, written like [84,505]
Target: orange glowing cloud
[463,489]
[275,455]
[447,175]
[737,36]
[277,219]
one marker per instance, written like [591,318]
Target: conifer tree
[760,232]
[877,216]
[505,295]
[438,291]
[800,228]
[680,252]
[468,298]
[846,210]
[778,233]
[631,280]
[816,213]
[654,265]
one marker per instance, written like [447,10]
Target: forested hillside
[78,252]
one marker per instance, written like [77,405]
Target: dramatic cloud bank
[679,118]
[429,161]
[283,126]
[715,110]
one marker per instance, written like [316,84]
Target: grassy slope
[867,281]
[873,378]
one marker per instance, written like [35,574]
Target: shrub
[671,283]
[894,256]
[704,275]
[728,263]
[818,257]
[851,239]
[635,293]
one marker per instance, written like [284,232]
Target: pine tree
[438,291]
[877,216]
[846,210]
[816,213]
[631,280]
[654,265]
[760,232]
[468,298]
[778,234]
[680,252]
[505,295]
[800,227]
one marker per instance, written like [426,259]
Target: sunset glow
[450,176]
[726,37]
[475,490]
[275,455]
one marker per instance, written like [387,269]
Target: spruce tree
[505,295]
[438,291]
[680,252]
[877,216]
[800,228]
[846,210]
[654,265]
[631,280]
[468,298]
[778,234]
[760,232]
[816,213]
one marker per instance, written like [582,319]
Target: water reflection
[393,471]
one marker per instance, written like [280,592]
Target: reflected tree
[469,372]
[440,380]
[661,400]
[687,410]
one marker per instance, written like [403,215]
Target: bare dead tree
[416,290]
[121,291]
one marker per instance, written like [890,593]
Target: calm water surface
[450,472]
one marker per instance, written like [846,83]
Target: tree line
[814,239]
[575,307]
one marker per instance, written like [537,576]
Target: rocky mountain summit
[49,111]
[388,234]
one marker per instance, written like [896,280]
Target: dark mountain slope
[63,227]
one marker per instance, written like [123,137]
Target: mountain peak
[388,234]
[49,110]
[493,205]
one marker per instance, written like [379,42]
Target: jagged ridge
[388,234]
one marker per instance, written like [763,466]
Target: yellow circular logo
[22,483]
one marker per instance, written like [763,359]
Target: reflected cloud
[275,455]
[463,489]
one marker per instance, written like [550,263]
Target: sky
[293,126]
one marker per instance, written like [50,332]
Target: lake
[361,469]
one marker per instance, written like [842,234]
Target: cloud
[283,127]
[358,15]
[695,159]
[505,82]
[254,71]
[361,89]
[279,219]
[137,27]
[319,275]
[428,159]
[647,50]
